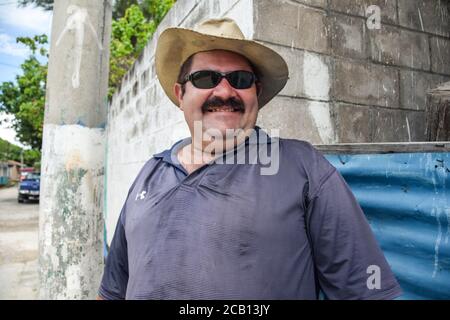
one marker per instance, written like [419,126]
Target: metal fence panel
[405,197]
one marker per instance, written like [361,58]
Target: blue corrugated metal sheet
[405,197]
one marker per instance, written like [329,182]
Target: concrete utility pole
[71,217]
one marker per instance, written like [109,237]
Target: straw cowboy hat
[176,45]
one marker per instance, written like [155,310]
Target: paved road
[18,247]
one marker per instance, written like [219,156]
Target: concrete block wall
[347,83]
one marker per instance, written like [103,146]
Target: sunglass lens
[205,79]
[208,79]
[241,79]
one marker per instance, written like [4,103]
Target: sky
[17,22]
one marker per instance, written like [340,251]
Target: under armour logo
[140,196]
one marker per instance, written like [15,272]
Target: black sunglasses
[208,79]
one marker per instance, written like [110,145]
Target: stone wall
[348,83]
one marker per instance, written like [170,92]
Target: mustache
[218,102]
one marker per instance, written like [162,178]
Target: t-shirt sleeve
[349,262]
[115,275]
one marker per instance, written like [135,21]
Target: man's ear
[179,92]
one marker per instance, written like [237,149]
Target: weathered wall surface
[348,83]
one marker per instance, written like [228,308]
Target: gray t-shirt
[227,232]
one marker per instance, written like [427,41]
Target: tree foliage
[155,10]
[46,4]
[121,6]
[25,98]
[130,35]
[9,151]
[32,158]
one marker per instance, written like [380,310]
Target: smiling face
[218,108]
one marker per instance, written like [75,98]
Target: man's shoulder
[148,167]
[310,161]
[297,145]
[168,155]
[300,149]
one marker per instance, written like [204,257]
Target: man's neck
[192,159]
[199,153]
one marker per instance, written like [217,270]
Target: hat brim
[176,45]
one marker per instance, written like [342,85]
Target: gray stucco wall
[348,83]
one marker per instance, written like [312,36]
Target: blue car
[29,188]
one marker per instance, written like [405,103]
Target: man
[195,227]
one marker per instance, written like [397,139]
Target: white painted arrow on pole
[75,22]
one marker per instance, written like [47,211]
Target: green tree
[130,34]
[155,10]
[46,4]
[121,6]
[9,151]
[32,158]
[25,98]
